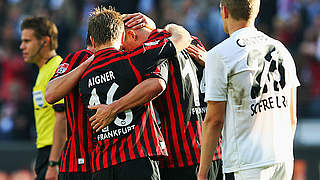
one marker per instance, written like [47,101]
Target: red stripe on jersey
[145,133]
[80,130]
[164,125]
[104,64]
[121,150]
[173,126]
[73,60]
[194,142]
[154,136]
[113,152]
[98,155]
[130,147]
[64,159]
[137,133]
[181,118]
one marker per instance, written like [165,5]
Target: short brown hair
[42,27]
[242,9]
[105,25]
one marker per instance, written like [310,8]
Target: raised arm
[180,36]
[58,88]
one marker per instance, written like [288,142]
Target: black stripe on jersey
[117,152]
[176,118]
[142,140]
[134,140]
[105,52]
[93,161]
[189,140]
[166,126]
[85,142]
[149,124]
[102,147]
[76,131]
[67,160]
[126,149]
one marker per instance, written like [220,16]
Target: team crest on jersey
[270,74]
[62,68]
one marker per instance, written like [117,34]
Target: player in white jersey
[250,89]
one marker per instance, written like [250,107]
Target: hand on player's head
[137,21]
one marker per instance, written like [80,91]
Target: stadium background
[296,23]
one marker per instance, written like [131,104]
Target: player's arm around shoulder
[59,87]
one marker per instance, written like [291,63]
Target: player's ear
[92,42]
[225,12]
[132,35]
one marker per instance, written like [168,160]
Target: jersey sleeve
[152,52]
[160,71]
[72,61]
[216,78]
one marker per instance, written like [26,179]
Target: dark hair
[242,9]
[88,41]
[42,27]
[105,25]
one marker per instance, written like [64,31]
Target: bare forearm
[211,131]
[210,137]
[58,88]
[141,94]
[59,136]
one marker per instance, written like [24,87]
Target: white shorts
[280,171]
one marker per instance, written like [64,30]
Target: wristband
[53,163]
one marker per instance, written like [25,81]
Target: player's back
[255,75]
[181,109]
[134,133]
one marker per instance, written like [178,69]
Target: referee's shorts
[277,171]
[42,162]
[75,176]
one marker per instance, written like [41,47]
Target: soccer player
[39,43]
[75,161]
[127,146]
[180,108]
[251,92]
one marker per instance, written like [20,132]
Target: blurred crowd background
[296,23]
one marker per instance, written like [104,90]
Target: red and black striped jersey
[181,109]
[112,74]
[76,154]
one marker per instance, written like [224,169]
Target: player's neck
[235,25]
[105,46]
[44,58]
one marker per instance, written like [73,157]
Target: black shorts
[75,176]
[138,169]
[191,172]
[216,170]
[42,162]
